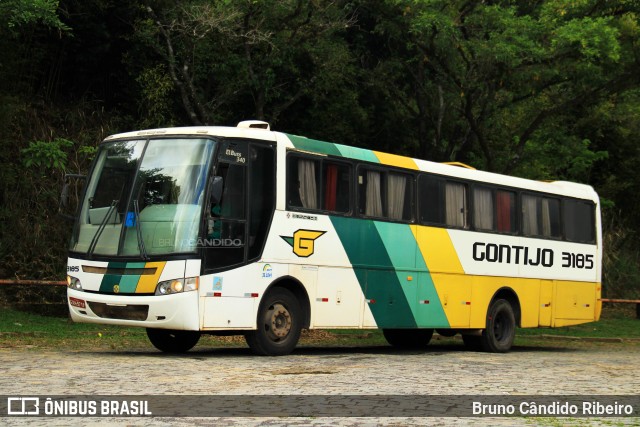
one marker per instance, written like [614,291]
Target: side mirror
[217,185]
[63,205]
[64,197]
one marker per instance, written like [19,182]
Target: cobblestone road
[351,371]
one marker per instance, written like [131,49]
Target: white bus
[223,230]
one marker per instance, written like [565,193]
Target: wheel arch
[508,294]
[296,287]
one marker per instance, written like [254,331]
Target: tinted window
[483,209]
[579,223]
[456,205]
[319,185]
[430,200]
[540,216]
[506,211]
[303,182]
[261,196]
[336,180]
[386,194]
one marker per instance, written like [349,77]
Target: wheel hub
[279,321]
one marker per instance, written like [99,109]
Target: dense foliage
[546,90]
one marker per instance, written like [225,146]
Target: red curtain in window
[505,204]
[331,187]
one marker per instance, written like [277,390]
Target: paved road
[349,371]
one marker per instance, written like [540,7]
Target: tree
[492,82]
[224,55]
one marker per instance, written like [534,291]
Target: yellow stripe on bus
[147,284]
[437,250]
[395,160]
[452,286]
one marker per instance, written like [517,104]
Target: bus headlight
[74,283]
[177,285]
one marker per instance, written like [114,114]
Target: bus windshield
[144,197]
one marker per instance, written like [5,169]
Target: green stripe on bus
[375,272]
[110,280]
[323,147]
[408,261]
[357,153]
[128,283]
[399,242]
[314,145]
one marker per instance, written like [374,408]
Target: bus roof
[301,143]
[231,132]
[564,188]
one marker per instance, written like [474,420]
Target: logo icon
[267,272]
[116,288]
[23,406]
[302,242]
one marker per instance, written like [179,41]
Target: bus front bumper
[177,311]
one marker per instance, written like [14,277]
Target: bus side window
[430,200]
[400,196]
[336,178]
[506,211]
[494,210]
[579,223]
[303,183]
[540,216]
[456,204]
[371,183]
[261,196]
[226,229]
[483,209]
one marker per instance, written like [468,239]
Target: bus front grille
[123,312]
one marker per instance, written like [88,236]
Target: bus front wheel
[501,327]
[408,338]
[170,341]
[279,324]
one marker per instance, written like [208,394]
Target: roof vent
[254,124]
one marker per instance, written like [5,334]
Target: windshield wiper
[103,224]
[141,247]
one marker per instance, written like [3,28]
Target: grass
[619,321]
[20,329]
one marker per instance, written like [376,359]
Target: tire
[279,324]
[501,327]
[472,342]
[170,341]
[414,339]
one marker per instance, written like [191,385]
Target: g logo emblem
[116,288]
[303,242]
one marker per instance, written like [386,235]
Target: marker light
[191,284]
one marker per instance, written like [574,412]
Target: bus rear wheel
[279,324]
[501,327]
[170,341]
[408,338]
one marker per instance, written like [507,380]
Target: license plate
[77,302]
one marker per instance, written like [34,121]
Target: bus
[247,231]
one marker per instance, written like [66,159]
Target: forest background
[545,89]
